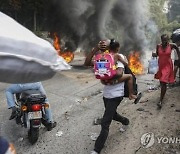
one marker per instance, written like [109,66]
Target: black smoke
[85,22]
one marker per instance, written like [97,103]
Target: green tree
[166,22]
[157,14]
[32,9]
[16,5]
[29,13]
[174,13]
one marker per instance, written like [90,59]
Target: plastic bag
[24,57]
[153,65]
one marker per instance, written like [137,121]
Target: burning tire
[33,135]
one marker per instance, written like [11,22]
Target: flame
[135,64]
[67,55]
[56,43]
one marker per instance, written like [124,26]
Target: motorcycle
[31,112]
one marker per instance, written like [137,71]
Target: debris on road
[20,139]
[66,115]
[153,88]
[177,110]
[172,105]
[140,109]
[59,133]
[85,99]
[144,101]
[78,101]
[94,136]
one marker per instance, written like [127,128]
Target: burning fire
[56,43]
[67,55]
[135,64]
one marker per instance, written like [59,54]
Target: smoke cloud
[84,22]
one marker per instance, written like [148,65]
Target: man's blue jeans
[18,88]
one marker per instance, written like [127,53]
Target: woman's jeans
[110,114]
[18,88]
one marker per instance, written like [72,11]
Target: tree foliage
[174,13]
[166,22]
[25,11]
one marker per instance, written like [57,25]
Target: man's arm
[89,57]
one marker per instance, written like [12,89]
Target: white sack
[24,57]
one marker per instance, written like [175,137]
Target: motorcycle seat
[32,96]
